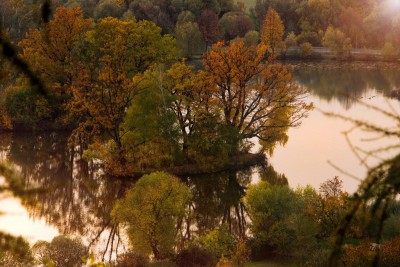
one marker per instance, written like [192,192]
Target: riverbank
[324,53]
[359,54]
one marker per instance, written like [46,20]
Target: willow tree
[257,99]
[272,31]
[152,210]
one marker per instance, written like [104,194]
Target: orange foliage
[256,97]
[364,253]
[272,31]
[50,51]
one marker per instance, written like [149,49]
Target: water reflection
[349,82]
[77,198]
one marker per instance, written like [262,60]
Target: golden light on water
[15,220]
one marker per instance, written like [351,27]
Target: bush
[241,255]
[251,38]
[364,253]
[309,37]
[132,259]
[219,242]
[24,107]
[390,251]
[389,52]
[291,39]
[195,256]
[360,255]
[224,262]
[61,251]
[306,49]
[14,251]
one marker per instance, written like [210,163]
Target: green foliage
[252,38]
[151,210]
[139,44]
[189,39]
[151,125]
[108,8]
[281,221]
[25,107]
[185,17]
[219,242]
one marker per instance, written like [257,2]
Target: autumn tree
[17,17]
[189,39]
[272,31]
[151,210]
[117,53]
[209,26]
[234,24]
[337,41]
[351,23]
[183,85]
[51,53]
[109,8]
[331,188]
[257,99]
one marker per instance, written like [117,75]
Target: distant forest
[366,23]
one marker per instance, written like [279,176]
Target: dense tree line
[198,23]
[118,84]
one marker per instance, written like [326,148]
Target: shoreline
[238,162]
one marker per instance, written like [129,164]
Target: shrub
[389,52]
[61,251]
[195,256]
[132,259]
[306,49]
[219,242]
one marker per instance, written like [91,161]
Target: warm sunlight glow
[393,3]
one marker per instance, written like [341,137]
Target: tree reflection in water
[78,197]
[349,82]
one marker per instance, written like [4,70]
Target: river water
[78,197]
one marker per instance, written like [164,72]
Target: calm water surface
[318,148]
[78,197]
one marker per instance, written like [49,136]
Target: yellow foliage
[272,31]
